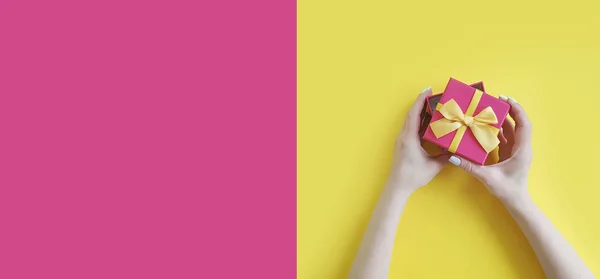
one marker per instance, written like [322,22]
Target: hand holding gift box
[467,121]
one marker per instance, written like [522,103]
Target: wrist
[402,177]
[399,187]
[517,202]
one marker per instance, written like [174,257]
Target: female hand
[412,167]
[508,179]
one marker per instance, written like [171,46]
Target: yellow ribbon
[455,120]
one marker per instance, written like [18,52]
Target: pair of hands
[413,168]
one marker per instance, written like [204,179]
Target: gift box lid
[433,100]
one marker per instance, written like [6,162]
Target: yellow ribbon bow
[480,125]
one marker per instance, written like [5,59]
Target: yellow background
[360,66]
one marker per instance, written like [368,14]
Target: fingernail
[513,100]
[503,98]
[454,160]
[426,89]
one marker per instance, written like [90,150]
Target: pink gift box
[469,147]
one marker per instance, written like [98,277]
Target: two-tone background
[157,139]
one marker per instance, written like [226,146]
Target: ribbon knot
[468,120]
[480,124]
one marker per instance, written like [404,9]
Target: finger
[466,165]
[523,127]
[504,152]
[413,118]
[508,130]
[502,138]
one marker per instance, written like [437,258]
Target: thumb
[466,165]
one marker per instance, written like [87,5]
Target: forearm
[374,255]
[556,255]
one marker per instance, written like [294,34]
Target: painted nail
[426,89]
[503,98]
[454,160]
[515,101]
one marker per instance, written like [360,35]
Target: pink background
[462,93]
[147,139]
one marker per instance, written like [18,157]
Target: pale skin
[413,168]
